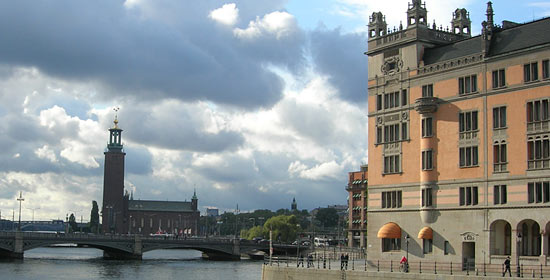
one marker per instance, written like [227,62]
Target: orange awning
[426,233]
[389,230]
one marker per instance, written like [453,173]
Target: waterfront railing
[318,261]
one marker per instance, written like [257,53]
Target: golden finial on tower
[116,116]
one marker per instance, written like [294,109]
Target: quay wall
[292,273]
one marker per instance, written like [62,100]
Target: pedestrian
[346,259]
[404,264]
[507,266]
[342,261]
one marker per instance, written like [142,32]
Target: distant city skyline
[250,102]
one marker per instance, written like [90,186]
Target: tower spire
[115,135]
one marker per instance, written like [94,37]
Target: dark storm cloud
[138,160]
[341,57]
[177,127]
[132,53]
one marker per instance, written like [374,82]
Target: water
[87,263]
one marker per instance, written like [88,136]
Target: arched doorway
[501,238]
[530,244]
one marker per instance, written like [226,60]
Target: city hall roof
[156,205]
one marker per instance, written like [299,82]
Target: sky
[248,102]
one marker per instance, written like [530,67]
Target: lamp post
[20,199]
[406,264]
[33,209]
[518,269]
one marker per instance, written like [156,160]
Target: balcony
[425,105]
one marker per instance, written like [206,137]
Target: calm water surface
[87,263]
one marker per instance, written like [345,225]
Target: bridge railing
[64,236]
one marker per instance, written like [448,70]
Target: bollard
[352,263]
[378,265]
[484,271]
[435,267]
[391,265]
[329,263]
[420,267]
[541,270]
[366,266]
[451,268]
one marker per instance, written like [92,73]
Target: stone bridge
[14,244]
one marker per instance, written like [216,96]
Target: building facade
[459,130]
[121,214]
[357,207]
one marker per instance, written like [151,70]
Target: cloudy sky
[250,102]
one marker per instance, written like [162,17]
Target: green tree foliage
[257,231]
[94,218]
[328,217]
[284,228]
[73,226]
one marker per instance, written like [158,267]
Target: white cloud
[326,170]
[46,152]
[280,24]
[227,14]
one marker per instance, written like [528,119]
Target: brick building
[122,214]
[459,130]
[357,207]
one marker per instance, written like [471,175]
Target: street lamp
[20,199]
[519,238]
[407,262]
[33,209]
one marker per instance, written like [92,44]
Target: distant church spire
[294,205]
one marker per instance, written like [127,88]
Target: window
[467,196]
[404,131]
[391,244]
[499,78]
[538,153]
[391,133]
[427,160]
[538,192]
[427,127]
[545,69]
[537,111]
[391,199]
[428,90]
[427,245]
[468,156]
[446,247]
[391,100]
[499,117]
[499,157]
[404,97]
[500,195]
[530,72]
[379,102]
[467,84]
[427,199]
[467,121]
[391,164]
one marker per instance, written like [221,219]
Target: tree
[284,228]
[94,218]
[328,217]
[256,231]
[73,226]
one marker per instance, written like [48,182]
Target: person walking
[507,267]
